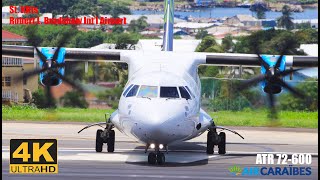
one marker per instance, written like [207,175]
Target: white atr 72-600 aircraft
[160,104]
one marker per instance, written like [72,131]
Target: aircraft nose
[162,124]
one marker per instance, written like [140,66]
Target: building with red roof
[12,38]
[13,67]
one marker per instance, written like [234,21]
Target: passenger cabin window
[148,91]
[169,92]
[133,91]
[184,93]
[126,91]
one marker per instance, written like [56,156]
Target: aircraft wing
[72,54]
[218,59]
[233,59]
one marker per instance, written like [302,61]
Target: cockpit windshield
[169,92]
[148,91]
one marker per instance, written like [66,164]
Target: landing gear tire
[161,159]
[222,144]
[210,145]
[99,141]
[111,141]
[152,158]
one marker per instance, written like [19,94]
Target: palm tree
[286,19]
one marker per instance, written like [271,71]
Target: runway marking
[132,155]
[87,174]
[120,150]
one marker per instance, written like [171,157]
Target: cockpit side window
[133,91]
[169,92]
[126,91]
[189,91]
[184,93]
[148,91]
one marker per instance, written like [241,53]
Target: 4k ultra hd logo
[34,156]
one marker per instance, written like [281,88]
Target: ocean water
[219,12]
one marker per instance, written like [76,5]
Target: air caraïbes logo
[235,170]
[271,171]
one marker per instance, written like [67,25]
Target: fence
[8,95]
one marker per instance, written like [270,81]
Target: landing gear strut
[103,136]
[214,139]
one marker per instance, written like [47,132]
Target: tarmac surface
[77,158]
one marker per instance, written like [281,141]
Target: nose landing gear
[156,157]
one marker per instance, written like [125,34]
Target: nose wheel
[156,158]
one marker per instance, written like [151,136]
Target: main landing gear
[214,139]
[106,136]
[156,157]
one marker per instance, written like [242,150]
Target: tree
[111,96]
[119,9]
[309,103]
[227,43]
[307,36]
[201,34]
[83,7]
[88,39]
[125,41]
[208,42]
[269,42]
[286,19]
[74,99]
[138,25]
[41,100]
[117,29]
[260,11]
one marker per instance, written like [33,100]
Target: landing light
[161,146]
[152,146]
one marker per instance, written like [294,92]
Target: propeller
[273,77]
[50,66]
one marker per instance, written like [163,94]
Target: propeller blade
[29,74]
[251,82]
[32,73]
[76,86]
[277,65]
[273,112]
[49,100]
[289,71]
[43,58]
[264,64]
[64,39]
[291,89]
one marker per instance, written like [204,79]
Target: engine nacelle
[48,78]
[268,86]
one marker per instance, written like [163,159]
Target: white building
[313,22]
